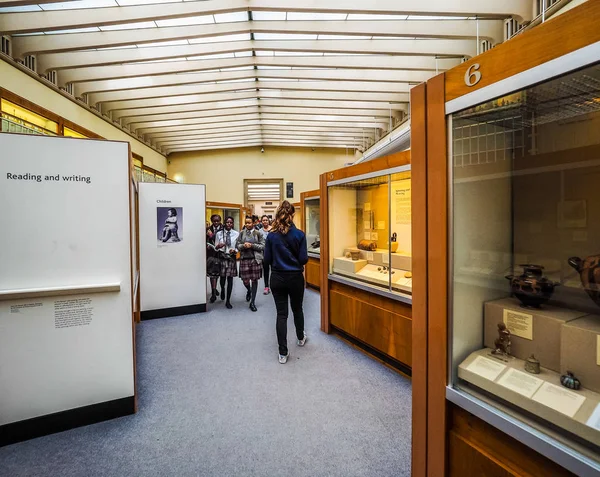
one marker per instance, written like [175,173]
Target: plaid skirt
[228,268]
[250,269]
[213,267]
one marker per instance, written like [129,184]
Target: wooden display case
[368,311]
[460,433]
[225,209]
[310,224]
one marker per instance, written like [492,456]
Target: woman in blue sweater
[285,251]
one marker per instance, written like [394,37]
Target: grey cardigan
[258,244]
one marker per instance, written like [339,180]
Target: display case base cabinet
[313,273]
[477,448]
[377,321]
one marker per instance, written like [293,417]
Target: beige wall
[18,82]
[224,170]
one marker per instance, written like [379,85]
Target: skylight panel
[268,16]
[240,80]
[242,54]
[73,30]
[125,3]
[344,37]
[316,16]
[199,20]
[238,68]
[298,53]
[211,57]
[21,9]
[265,53]
[79,4]
[283,36]
[221,38]
[434,17]
[163,43]
[266,67]
[163,60]
[231,17]
[372,16]
[128,26]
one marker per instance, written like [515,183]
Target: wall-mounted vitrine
[225,210]
[525,256]
[366,259]
[310,206]
[370,231]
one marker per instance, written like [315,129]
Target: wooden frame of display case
[387,335]
[226,205]
[313,267]
[453,438]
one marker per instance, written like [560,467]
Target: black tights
[252,287]
[229,286]
[266,270]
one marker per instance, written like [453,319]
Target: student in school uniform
[251,244]
[266,228]
[225,244]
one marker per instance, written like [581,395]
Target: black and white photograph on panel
[169,224]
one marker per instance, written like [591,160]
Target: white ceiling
[207,74]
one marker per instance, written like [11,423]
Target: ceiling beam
[285,74]
[408,63]
[491,30]
[79,59]
[254,132]
[165,111]
[168,91]
[263,94]
[60,20]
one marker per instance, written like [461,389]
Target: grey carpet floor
[214,401]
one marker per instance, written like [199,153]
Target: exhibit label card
[594,420]
[519,324]
[520,382]
[486,368]
[559,399]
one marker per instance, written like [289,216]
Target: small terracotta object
[355,255]
[532,365]
[348,255]
[502,343]
[589,273]
[570,381]
[531,288]
[368,245]
[394,242]
[408,275]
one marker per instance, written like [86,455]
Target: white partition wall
[172,230]
[66,336]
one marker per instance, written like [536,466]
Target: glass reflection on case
[312,219]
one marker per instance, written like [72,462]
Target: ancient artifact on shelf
[502,343]
[531,288]
[316,243]
[570,381]
[394,242]
[589,273]
[368,245]
[348,255]
[355,255]
[408,275]
[532,365]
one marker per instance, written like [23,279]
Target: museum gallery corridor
[214,401]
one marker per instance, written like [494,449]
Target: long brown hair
[284,218]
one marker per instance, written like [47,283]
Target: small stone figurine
[502,343]
[532,365]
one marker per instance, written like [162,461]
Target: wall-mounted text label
[472,75]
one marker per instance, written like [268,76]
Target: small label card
[366,225]
[367,236]
[385,258]
[519,324]
[367,206]
[486,368]
[381,225]
[594,420]
[520,382]
[369,256]
[559,399]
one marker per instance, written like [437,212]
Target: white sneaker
[302,342]
[283,359]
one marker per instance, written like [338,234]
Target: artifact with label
[502,343]
[532,365]
[570,381]
[589,272]
[531,288]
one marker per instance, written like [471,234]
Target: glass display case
[525,263]
[370,232]
[312,225]
[224,212]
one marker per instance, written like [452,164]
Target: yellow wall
[224,170]
[15,81]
